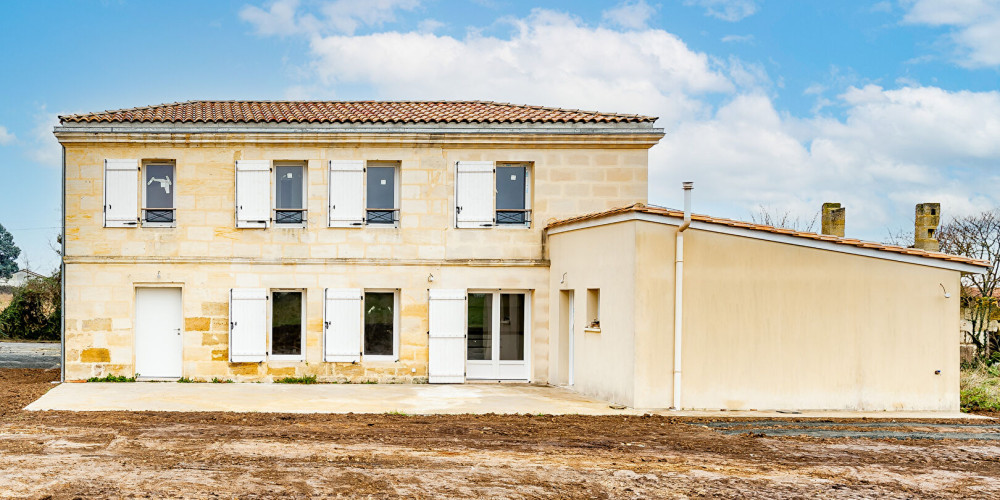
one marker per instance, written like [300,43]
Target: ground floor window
[286,324]
[380,338]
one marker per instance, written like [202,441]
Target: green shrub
[111,378]
[217,380]
[308,379]
[34,311]
[981,388]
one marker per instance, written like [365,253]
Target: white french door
[497,346]
[158,341]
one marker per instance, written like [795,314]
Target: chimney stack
[834,219]
[925,225]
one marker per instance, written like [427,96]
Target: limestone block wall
[100,315]
[565,182]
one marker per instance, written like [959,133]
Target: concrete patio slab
[413,399]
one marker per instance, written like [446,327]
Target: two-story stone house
[457,241]
[257,240]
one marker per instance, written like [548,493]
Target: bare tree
[977,237]
[900,237]
[769,217]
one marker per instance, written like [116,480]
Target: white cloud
[44,147]
[430,25]
[975,27]
[549,58]
[6,137]
[727,10]
[737,38]
[632,14]
[283,18]
[895,148]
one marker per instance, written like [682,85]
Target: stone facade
[206,255]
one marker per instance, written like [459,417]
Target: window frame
[394,357]
[397,167]
[305,193]
[142,198]
[270,327]
[528,167]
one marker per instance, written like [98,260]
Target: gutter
[679,295]
[62,276]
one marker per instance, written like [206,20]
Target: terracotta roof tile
[350,112]
[668,212]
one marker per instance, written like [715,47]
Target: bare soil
[248,455]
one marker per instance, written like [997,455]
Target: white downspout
[679,294]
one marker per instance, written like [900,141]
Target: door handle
[178,330]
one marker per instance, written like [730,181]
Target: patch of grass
[308,379]
[397,412]
[217,380]
[981,388]
[185,380]
[111,378]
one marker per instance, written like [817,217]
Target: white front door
[158,339]
[497,340]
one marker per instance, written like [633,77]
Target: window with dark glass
[379,324]
[289,194]
[286,323]
[512,326]
[479,336]
[380,194]
[158,202]
[512,194]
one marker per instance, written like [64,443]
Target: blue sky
[783,104]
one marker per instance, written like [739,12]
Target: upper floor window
[158,191]
[380,193]
[289,193]
[363,194]
[512,194]
[488,195]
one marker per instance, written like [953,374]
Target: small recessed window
[380,325]
[286,324]
[930,233]
[158,194]
[289,194]
[380,195]
[593,308]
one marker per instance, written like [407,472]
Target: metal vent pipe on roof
[679,294]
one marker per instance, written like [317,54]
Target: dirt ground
[121,454]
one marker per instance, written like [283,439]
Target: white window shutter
[253,193]
[347,188]
[121,193]
[446,337]
[247,325]
[475,193]
[342,325]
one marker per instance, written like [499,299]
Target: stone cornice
[101,259]
[487,138]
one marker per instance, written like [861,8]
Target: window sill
[296,225]
[286,357]
[159,224]
[592,330]
[379,359]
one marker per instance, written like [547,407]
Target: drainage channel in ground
[870,430]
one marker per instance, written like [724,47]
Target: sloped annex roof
[851,242]
[356,112]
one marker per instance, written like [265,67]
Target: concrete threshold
[411,399]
